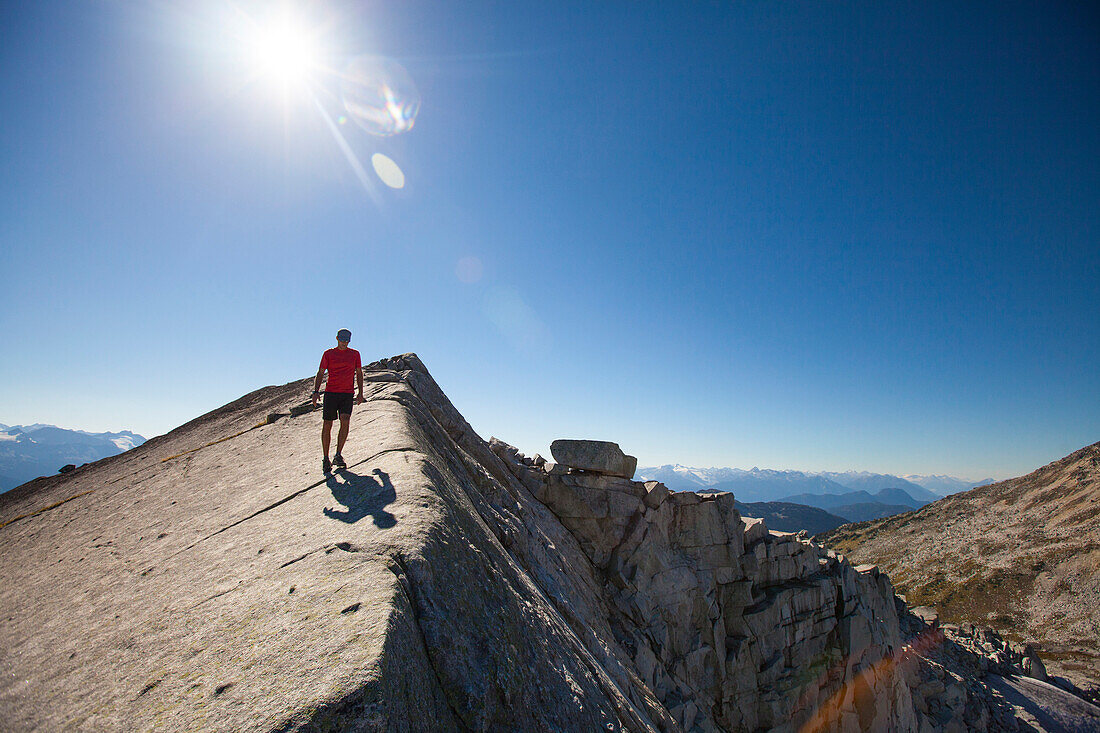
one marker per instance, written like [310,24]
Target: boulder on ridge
[599,456]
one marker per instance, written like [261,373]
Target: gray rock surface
[1044,707]
[213,580]
[599,456]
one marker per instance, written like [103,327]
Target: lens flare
[379,95]
[390,173]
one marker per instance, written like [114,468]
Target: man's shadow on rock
[363,496]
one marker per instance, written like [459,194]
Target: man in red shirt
[344,366]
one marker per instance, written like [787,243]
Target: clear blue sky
[808,235]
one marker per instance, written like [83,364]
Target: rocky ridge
[209,579]
[731,626]
[1021,556]
[810,641]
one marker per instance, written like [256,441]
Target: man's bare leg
[345,426]
[326,436]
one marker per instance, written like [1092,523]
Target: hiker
[343,365]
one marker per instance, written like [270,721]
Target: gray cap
[343,335]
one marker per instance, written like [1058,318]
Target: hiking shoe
[326,465]
[338,461]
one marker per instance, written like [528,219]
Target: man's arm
[359,379]
[317,385]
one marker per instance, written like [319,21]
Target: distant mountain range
[946,485]
[753,485]
[769,484]
[832,501]
[873,482]
[786,517]
[861,506]
[855,496]
[30,451]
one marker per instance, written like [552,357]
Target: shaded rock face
[734,627]
[212,579]
[730,626]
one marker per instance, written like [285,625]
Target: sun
[284,50]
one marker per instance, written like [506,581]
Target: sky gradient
[816,236]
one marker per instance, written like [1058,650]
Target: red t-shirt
[342,365]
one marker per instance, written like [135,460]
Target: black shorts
[336,402]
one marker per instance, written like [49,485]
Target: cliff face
[729,625]
[213,579]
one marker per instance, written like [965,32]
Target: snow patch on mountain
[943,485]
[29,451]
